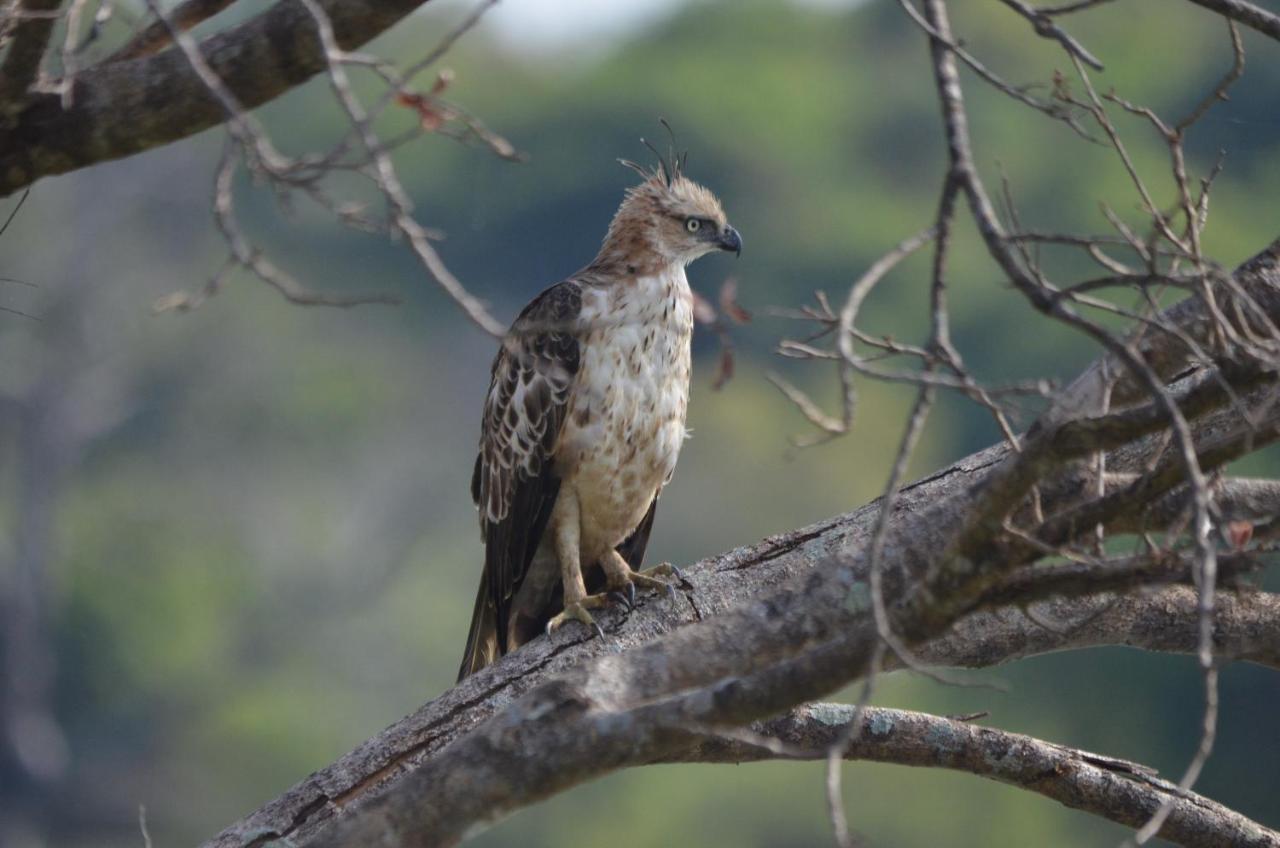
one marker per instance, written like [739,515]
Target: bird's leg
[568,536]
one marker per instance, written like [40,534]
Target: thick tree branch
[21,67]
[1075,578]
[1248,14]
[1121,791]
[157,36]
[122,108]
[1247,627]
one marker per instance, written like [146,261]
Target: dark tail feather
[483,646]
[482,641]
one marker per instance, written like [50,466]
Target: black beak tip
[731,240]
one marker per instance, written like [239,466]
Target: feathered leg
[566,525]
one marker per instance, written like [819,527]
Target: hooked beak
[730,240]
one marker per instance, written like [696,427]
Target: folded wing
[514,483]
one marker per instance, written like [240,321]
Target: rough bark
[121,108]
[30,36]
[1246,13]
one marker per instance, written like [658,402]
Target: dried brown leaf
[729,302]
[724,373]
[430,116]
[1239,532]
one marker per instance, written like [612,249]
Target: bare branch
[1252,16]
[1044,26]
[1124,792]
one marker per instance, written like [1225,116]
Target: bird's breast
[626,420]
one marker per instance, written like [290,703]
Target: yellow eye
[693,225]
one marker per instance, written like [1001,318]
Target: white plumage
[626,419]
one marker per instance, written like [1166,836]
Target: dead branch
[1252,16]
[1124,792]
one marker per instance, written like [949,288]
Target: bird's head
[669,219]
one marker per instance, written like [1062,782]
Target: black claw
[624,598]
[599,630]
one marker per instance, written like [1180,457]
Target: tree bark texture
[121,108]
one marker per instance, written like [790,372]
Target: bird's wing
[514,482]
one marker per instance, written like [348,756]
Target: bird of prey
[585,417]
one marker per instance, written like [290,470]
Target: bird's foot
[626,596]
[577,611]
[665,569]
[623,585]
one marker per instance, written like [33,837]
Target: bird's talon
[676,572]
[577,612]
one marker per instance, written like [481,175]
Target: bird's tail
[482,641]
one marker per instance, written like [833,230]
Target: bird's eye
[692,225]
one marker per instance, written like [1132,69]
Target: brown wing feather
[514,482]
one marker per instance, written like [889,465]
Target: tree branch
[1247,627]
[122,108]
[157,36]
[1246,13]
[1124,792]
[30,37]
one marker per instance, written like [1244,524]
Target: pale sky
[548,25]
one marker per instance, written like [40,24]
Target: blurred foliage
[264,549]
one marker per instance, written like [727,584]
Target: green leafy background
[263,546]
